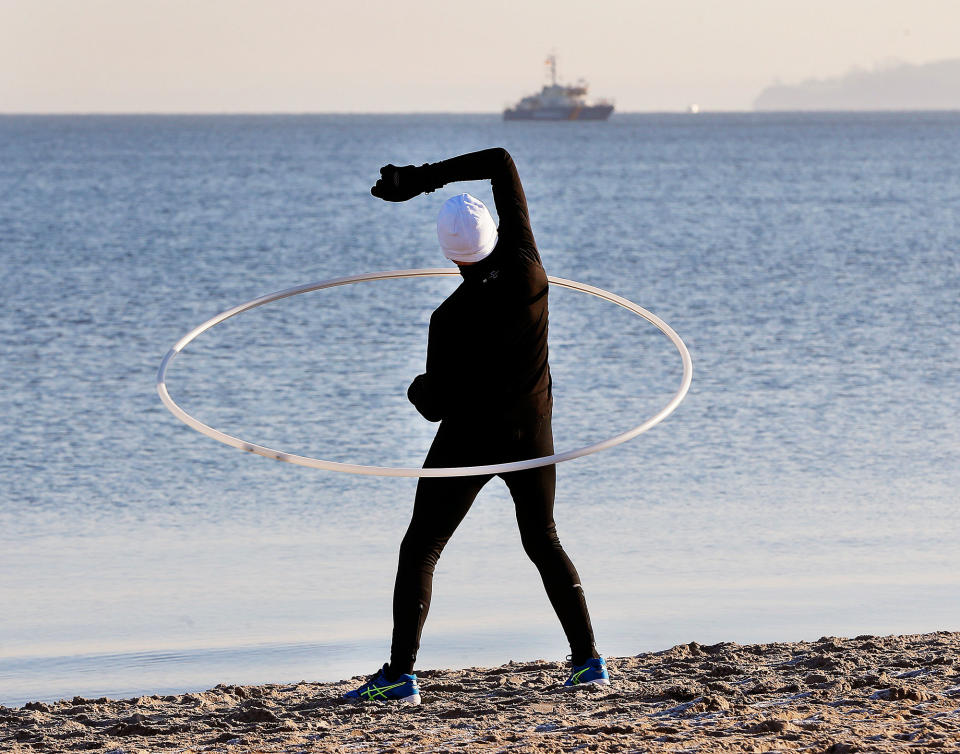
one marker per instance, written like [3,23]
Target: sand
[896,693]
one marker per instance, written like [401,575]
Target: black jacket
[487,348]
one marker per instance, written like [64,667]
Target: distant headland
[903,86]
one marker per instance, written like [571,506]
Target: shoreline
[839,695]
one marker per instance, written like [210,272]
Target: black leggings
[441,504]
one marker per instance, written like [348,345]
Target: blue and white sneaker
[595,671]
[403,689]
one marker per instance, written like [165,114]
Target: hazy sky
[441,55]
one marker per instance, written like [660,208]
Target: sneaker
[595,671]
[403,689]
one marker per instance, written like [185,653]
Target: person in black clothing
[487,382]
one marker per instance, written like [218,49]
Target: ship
[559,102]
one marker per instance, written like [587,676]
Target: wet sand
[895,693]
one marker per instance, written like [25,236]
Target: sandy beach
[867,693]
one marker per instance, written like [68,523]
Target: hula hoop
[448,471]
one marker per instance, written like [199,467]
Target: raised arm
[496,165]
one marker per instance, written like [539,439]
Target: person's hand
[398,184]
[420,395]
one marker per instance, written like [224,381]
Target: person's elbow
[503,156]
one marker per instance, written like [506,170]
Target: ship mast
[552,62]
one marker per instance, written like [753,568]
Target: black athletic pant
[442,502]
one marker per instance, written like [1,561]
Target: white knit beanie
[465,229]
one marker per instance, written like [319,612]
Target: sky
[442,55]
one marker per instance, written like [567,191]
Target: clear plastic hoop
[451,471]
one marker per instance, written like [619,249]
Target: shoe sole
[596,681]
[413,699]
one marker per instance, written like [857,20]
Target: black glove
[423,399]
[399,184]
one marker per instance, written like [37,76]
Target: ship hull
[591,112]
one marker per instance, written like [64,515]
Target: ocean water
[807,486]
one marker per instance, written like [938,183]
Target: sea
[808,485]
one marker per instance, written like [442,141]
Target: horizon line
[220,113]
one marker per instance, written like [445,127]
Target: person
[488,383]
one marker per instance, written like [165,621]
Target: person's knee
[420,552]
[541,545]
